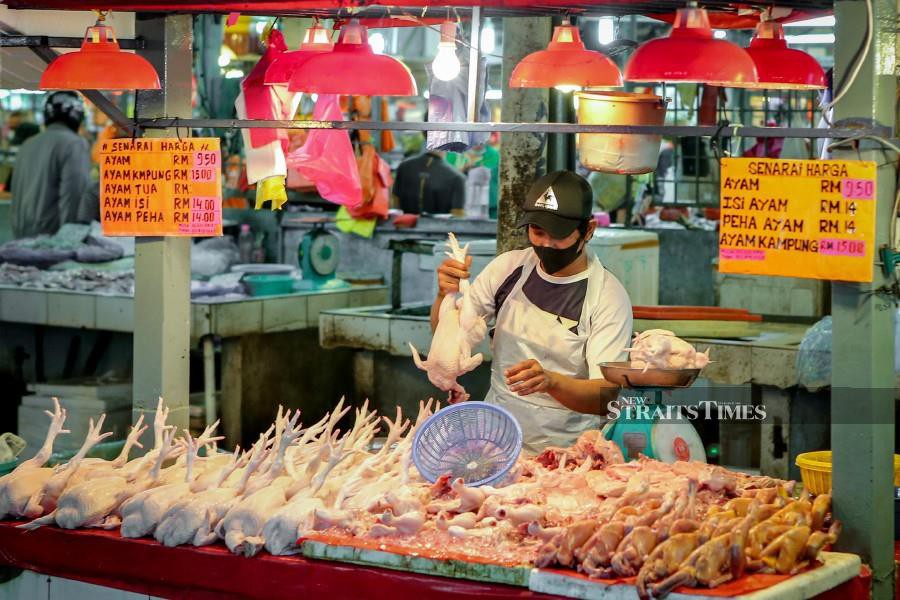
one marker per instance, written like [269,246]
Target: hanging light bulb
[378,43]
[691,54]
[353,68]
[606,30]
[780,67]
[316,39]
[100,65]
[446,64]
[565,65]
[488,38]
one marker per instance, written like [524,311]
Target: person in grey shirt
[52,172]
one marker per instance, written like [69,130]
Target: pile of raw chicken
[580,507]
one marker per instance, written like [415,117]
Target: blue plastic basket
[477,441]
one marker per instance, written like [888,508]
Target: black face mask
[555,260]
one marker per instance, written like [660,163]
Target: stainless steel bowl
[626,375]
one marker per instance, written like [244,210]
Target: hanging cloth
[261,100]
[447,102]
[348,224]
[376,181]
[265,148]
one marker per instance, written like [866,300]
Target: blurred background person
[52,171]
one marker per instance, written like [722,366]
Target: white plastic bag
[814,357]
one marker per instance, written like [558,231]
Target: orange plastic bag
[376,181]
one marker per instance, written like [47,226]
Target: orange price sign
[161,187]
[798,218]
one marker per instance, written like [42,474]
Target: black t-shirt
[427,184]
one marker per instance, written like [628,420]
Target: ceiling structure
[420,8]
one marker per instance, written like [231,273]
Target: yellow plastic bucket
[815,470]
[619,152]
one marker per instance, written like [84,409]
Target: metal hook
[715,141]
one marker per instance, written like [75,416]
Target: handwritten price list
[797,218]
[161,187]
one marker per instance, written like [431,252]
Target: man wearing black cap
[557,315]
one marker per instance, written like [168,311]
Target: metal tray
[625,375]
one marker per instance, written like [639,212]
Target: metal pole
[521,154]
[524,126]
[163,265]
[557,159]
[862,350]
[474,65]
[209,379]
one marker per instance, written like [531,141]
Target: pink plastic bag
[327,158]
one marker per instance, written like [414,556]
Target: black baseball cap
[557,203]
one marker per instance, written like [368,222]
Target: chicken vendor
[556,312]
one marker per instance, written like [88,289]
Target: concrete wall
[686,273]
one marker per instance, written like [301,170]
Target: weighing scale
[318,255]
[638,433]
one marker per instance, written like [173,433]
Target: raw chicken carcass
[662,349]
[459,329]
[242,526]
[17,488]
[94,503]
[193,519]
[142,512]
[44,500]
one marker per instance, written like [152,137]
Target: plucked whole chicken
[662,349]
[459,329]
[582,508]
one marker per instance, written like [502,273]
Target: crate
[815,470]
[83,399]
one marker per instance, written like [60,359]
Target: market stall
[378,510]
[143,568]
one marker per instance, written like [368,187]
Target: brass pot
[619,152]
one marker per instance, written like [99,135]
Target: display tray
[835,569]
[212,572]
[381,553]
[143,566]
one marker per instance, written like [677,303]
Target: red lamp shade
[780,67]
[315,40]
[100,65]
[566,65]
[691,54]
[353,68]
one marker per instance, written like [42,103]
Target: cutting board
[701,328]
[693,313]
[458,569]
[836,568]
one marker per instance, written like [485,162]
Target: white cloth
[570,346]
[478,192]
[269,160]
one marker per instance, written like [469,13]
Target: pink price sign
[205,216]
[835,247]
[742,254]
[858,189]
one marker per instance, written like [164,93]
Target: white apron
[544,421]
